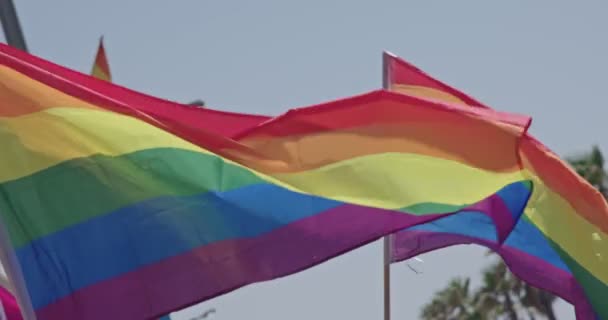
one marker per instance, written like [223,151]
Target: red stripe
[102,93]
[187,122]
[181,120]
[402,72]
[374,108]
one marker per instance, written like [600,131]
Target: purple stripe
[534,271]
[209,271]
[495,207]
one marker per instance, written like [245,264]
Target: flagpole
[387,239]
[10,25]
[14,274]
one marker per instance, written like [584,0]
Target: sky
[544,58]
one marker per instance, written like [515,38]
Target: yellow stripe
[397,180]
[556,218]
[415,178]
[39,140]
[426,92]
[99,73]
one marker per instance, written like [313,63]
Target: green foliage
[590,166]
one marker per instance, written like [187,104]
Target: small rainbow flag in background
[558,245]
[121,206]
[101,67]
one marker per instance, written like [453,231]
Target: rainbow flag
[558,245]
[101,67]
[121,206]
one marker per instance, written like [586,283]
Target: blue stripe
[145,233]
[527,238]
[515,196]
[524,237]
[465,223]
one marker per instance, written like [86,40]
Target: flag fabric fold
[219,122]
[558,244]
[9,309]
[118,207]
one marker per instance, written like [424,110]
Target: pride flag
[101,67]
[121,206]
[558,245]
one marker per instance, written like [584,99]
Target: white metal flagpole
[387,239]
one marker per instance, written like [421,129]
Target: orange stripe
[426,92]
[382,122]
[492,150]
[449,126]
[559,177]
[21,95]
[411,131]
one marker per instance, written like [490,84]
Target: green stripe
[432,208]
[595,289]
[80,189]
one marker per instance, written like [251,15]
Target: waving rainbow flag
[120,206]
[558,245]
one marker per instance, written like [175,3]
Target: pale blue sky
[543,58]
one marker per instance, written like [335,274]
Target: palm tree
[537,301]
[529,299]
[503,294]
[451,303]
[497,292]
[590,166]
